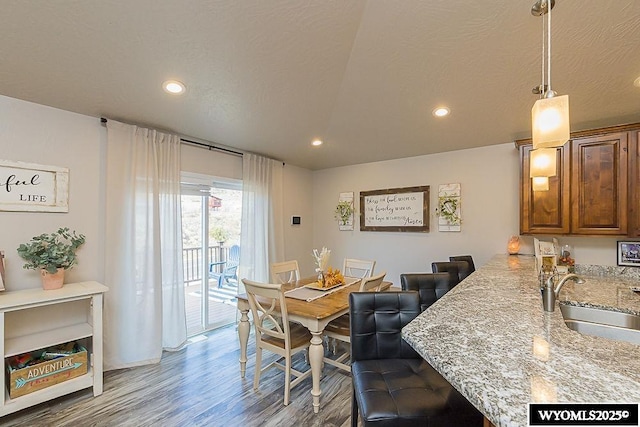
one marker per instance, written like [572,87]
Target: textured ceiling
[268,76]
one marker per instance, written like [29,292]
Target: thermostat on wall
[295,220]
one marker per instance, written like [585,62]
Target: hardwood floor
[197,386]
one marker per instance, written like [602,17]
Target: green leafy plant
[219,234]
[343,211]
[51,251]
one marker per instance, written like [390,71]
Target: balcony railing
[192,261]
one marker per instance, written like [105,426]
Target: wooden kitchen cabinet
[545,212]
[595,190]
[634,184]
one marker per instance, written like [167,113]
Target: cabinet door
[634,184]
[599,185]
[545,212]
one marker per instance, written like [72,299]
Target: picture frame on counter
[628,253]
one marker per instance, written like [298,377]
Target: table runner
[308,294]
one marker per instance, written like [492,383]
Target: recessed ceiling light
[441,112]
[636,82]
[173,87]
[316,142]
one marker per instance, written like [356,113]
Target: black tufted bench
[392,385]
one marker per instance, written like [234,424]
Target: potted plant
[52,254]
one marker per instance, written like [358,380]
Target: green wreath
[449,209]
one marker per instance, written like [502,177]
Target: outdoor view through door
[211,215]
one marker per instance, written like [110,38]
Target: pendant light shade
[542,163]
[550,119]
[540,183]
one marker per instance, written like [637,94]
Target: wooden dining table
[314,315]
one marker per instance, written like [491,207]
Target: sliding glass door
[211,212]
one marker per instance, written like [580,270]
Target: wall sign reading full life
[29,187]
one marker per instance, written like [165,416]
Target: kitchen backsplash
[608,270]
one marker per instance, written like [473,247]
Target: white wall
[38,134]
[489,177]
[298,200]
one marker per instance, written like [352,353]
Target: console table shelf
[33,319]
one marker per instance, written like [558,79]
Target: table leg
[316,353]
[243,335]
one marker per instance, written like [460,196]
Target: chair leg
[287,379]
[256,377]
[354,409]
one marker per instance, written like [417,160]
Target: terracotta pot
[52,281]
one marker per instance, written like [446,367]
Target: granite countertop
[491,339]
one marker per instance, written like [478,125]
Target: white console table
[33,319]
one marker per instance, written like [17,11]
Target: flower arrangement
[343,211]
[322,259]
[327,276]
[51,251]
[332,278]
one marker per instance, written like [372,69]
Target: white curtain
[262,236]
[144,307]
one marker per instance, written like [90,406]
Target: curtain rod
[199,144]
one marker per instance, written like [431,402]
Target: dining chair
[274,332]
[468,258]
[285,272]
[458,270]
[358,268]
[392,385]
[430,286]
[338,329]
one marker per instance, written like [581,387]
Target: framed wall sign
[395,209]
[629,253]
[29,187]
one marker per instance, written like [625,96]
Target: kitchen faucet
[549,295]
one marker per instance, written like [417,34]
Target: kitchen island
[492,340]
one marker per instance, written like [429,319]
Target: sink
[602,323]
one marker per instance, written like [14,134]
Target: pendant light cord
[542,73]
[549,45]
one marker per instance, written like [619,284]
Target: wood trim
[589,132]
[634,184]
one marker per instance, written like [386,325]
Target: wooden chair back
[358,268]
[285,272]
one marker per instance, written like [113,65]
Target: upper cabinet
[634,183]
[599,185]
[595,190]
[545,212]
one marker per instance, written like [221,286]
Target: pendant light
[542,163]
[540,183]
[550,113]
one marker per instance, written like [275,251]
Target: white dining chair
[275,333]
[358,268]
[338,329]
[285,272]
